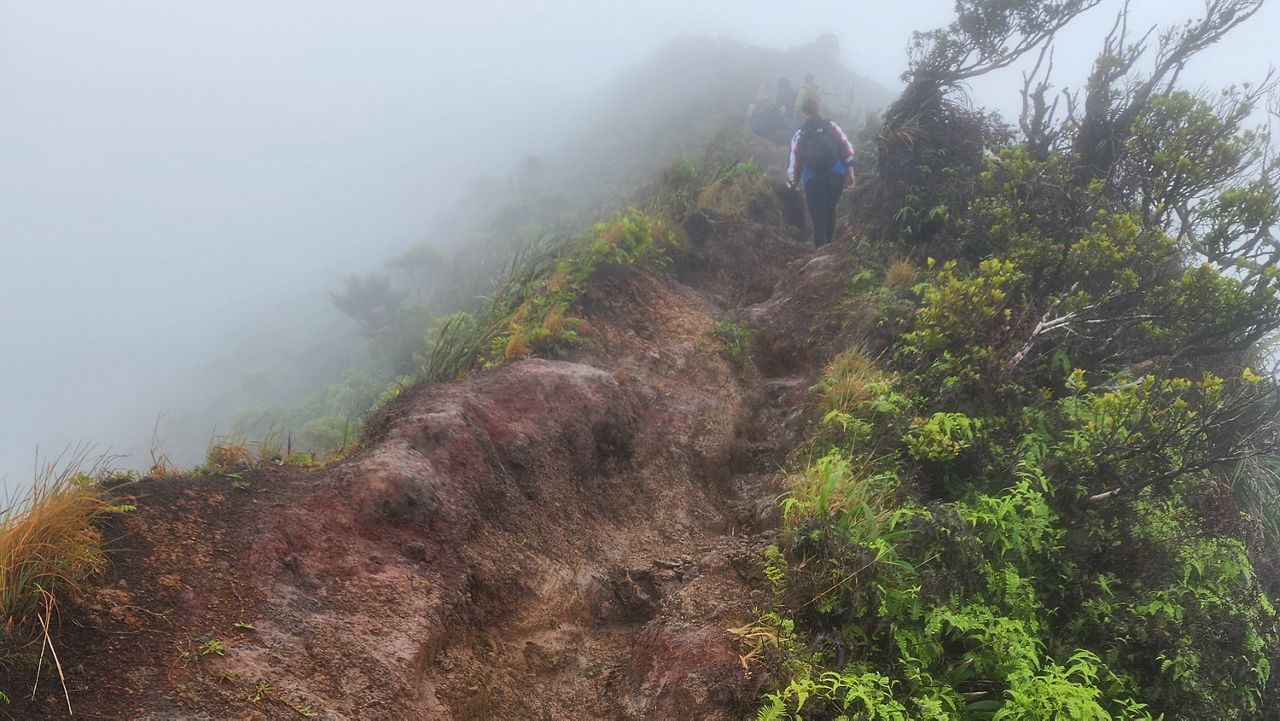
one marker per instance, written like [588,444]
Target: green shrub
[735,339]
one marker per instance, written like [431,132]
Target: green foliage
[735,339]
[632,238]
[775,570]
[1153,431]
[835,498]
[866,695]
[1196,628]
[1068,691]
[960,319]
[1255,484]
[984,647]
[719,181]
[1185,147]
[733,191]
[678,187]
[330,433]
[456,345]
[395,388]
[858,401]
[1018,523]
[539,324]
[964,651]
[298,458]
[528,315]
[1015,512]
[943,436]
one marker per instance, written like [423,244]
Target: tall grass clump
[48,541]
[49,547]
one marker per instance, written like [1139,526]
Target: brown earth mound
[547,540]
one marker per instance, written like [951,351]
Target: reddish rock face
[797,332]
[690,673]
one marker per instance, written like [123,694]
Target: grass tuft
[900,274]
[229,453]
[49,547]
[48,542]
[850,381]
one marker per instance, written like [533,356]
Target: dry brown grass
[554,323]
[733,195]
[228,453]
[849,381]
[900,274]
[517,346]
[48,540]
[49,547]
[162,467]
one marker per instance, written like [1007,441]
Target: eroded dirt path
[548,540]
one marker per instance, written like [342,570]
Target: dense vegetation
[1036,494]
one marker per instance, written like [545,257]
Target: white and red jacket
[796,174]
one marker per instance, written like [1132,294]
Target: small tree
[369,301]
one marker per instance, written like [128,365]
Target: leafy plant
[941,437]
[735,338]
[1017,510]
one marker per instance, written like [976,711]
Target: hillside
[550,539]
[315,387]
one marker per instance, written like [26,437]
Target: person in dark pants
[786,98]
[765,119]
[822,161]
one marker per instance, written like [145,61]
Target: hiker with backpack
[760,102]
[786,98]
[765,119]
[808,90]
[822,161]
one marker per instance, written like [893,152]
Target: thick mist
[181,184]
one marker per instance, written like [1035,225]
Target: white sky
[173,172]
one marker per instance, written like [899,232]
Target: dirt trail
[548,540]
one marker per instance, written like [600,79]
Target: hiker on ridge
[822,160]
[808,90]
[760,102]
[765,119]
[786,97]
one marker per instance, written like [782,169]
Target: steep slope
[550,539]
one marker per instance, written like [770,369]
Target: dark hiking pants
[822,193]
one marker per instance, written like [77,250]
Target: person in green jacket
[808,90]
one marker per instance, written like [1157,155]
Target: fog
[181,183]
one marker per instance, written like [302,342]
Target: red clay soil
[546,540]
